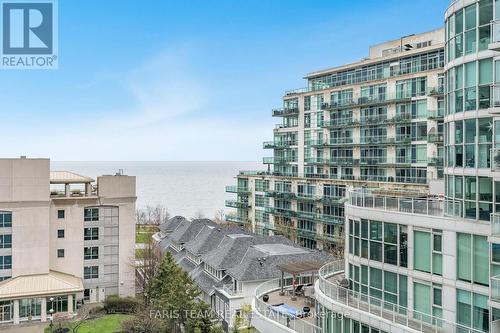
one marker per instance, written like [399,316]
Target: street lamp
[51,311]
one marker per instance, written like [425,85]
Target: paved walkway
[24,328]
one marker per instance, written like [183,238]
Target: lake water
[185,188]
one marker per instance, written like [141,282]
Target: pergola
[296,268]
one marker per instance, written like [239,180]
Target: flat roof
[279,249]
[301,267]
[65,177]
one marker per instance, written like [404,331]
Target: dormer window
[216,273]
[177,246]
[193,258]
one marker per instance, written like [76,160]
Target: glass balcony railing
[341,122]
[495,224]
[237,219]
[435,137]
[236,189]
[290,111]
[495,159]
[280,194]
[435,91]
[330,273]
[400,118]
[376,119]
[435,114]
[495,31]
[435,161]
[236,204]
[495,288]
[399,203]
[278,144]
[279,160]
[495,94]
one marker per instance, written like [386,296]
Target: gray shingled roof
[251,269]
[188,230]
[232,250]
[208,239]
[172,224]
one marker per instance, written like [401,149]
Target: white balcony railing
[230,290]
[264,309]
[404,204]
[394,313]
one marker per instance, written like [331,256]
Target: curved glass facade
[469,126]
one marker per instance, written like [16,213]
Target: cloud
[169,119]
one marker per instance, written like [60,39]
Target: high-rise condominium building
[63,239]
[377,122]
[432,264]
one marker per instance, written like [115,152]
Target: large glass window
[472,258]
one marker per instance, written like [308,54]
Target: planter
[265,298]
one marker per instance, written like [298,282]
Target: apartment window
[60,253]
[91,214]
[428,252]
[91,272]
[428,299]
[91,233]
[5,262]
[5,219]
[60,213]
[86,294]
[473,310]
[5,241]
[90,253]
[60,233]
[472,258]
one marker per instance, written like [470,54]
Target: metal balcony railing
[236,189]
[236,204]
[389,311]
[288,111]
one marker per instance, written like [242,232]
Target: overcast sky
[186,80]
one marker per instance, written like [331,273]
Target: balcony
[237,204]
[341,122]
[435,91]
[279,126]
[278,144]
[370,140]
[495,288]
[283,112]
[372,120]
[237,219]
[347,299]
[495,228]
[495,36]
[282,322]
[435,114]
[435,137]
[280,194]
[278,160]
[237,190]
[231,290]
[436,161]
[401,202]
[400,119]
[285,212]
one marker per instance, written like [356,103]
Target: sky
[161,80]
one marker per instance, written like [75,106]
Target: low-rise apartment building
[65,239]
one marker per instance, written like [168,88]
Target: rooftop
[279,249]
[66,177]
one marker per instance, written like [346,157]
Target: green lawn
[147,228]
[106,324]
[142,237]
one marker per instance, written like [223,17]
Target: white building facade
[64,239]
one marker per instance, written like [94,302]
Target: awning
[52,283]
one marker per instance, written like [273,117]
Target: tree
[144,322]
[146,265]
[198,215]
[220,217]
[173,292]
[200,319]
[243,319]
